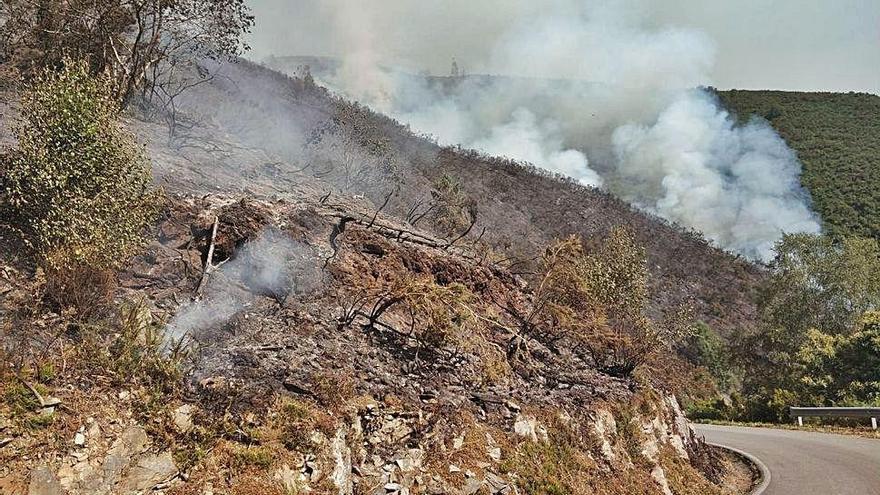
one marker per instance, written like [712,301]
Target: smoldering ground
[272,265]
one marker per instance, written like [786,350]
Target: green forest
[837,138]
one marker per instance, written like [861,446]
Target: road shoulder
[743,472]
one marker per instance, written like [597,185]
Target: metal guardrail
[835,412]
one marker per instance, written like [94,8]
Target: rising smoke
[272,265]
[594,91]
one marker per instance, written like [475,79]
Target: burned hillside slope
[308,138]
[334,349]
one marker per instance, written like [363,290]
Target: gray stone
[472,486]
[288,478]
[130,443]
[526,426]
[495,453]
[44,482]
[457,442]
[147,473]
[497,484]
[411,460]
[183,418]
[341,474]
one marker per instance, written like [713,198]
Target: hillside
[520,209]
[285,371]
[837,138]
[372,325]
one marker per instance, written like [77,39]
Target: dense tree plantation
[837,138]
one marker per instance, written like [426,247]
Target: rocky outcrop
[356,463]
[127,466]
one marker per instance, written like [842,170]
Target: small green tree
[704,347]
[77,187]
[818,282]
[600,300]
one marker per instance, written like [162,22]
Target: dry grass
[88,291]
[683,478]
[566,464]
[332,389]
[464,441]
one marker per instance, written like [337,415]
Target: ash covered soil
[282,332]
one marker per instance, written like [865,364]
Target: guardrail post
[800,421]
[874,423]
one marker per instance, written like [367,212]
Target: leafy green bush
[77,187]
[819,341]
[704,347]
[710,409]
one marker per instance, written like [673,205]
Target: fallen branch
[50,402]
[338,229]
[33,390]
[376,214]
[209,265]
[466,232]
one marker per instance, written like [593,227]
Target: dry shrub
[564,464]
[454,209]
[684,478]
[472,454]
[599,300]
[295,421]
[332,388]
[85,289]
[131,350]
[258,485]
[415,306]
[494,366]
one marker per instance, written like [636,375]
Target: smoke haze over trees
[596,92]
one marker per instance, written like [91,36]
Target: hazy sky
[779,44]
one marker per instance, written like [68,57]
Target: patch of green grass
[258,457]
[45,372]
[24,407]
[39,421]
[20,399]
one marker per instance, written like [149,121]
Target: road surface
[806,463]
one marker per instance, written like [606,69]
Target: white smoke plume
[596,91]
[524,138]
[736,184]
[272,265]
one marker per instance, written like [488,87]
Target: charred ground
[520,208]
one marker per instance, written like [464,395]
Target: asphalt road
[806,463]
